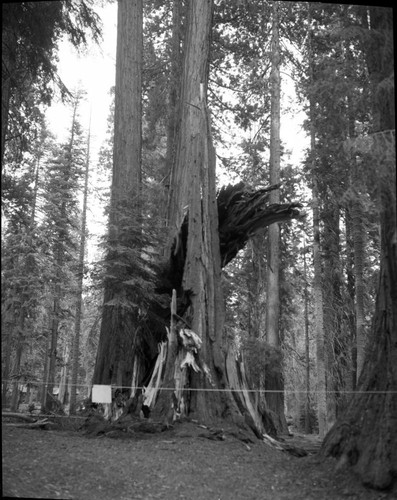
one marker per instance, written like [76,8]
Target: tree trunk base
[366,439]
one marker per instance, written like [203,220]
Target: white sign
[101,394]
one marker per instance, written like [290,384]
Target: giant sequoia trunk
[193,186]
[119,337]
[366,435]
[198,365]
[190,371]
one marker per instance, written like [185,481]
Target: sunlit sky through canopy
[92,71]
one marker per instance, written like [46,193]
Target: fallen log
[8,414]
[32,425]
[282,446]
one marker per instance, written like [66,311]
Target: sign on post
[101,394]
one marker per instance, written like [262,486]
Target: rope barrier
[261,391]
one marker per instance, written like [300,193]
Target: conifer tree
[274,381]
[30,36]
[24,269]
[364,435]
[79,282]
[63,177]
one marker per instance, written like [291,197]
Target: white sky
[94,72]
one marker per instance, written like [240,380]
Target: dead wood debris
[29,422]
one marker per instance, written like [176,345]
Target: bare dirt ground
[185,462]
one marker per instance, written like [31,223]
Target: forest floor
[184,462]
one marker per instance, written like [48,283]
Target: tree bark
[274,381]
[365,436]
[359,260]
[308,425]
[193,185]
[197,358]
[52,355]
[63,380]
[174,92]
[18,359]
[43,388]
[321,385]
[319,321]
[332,308]
[7,325]
[352,380]
[9,45]
[212,372]
[119,335]
[355,242]
[79,292]
[36,187]
[256,283]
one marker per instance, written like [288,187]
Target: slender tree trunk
[18,359]
[35,190]
[308,427]
[274,381]
[9,44]
[351,293]
[321,387]
[359,258]
[355,225]
[273,300]
[318,315]
[6,328]
[51,374]
[256,288]
[333,306]
[63,382]
[256,291]
[44,386]
[297,396]
[79,292]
